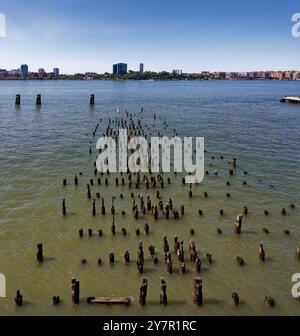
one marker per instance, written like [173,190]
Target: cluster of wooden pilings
[157,207]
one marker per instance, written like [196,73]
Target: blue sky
[193,35]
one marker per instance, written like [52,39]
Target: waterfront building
[3,73]
[56,72]
[120,69]
[24,70]
[90,75]
[177,72]
[141,67]
[14,73]
[205,73]
[261,75]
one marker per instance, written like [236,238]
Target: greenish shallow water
[38,147]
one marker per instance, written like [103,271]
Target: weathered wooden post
[198,265]
[176,244]
[169,263]
[163,292]
[127,257]
[19,298]
[92,99]
[261,252]
[112,258]
[235,298]
[102,206]
[39,255]
[89,196]
[197,292]
[143,291]
[18,100]
[38,99]
[64,208]
[56,300]
[113,226]
[75,287]
[238,224]
[190,191]
[76,180]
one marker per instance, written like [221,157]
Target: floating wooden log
[108,300]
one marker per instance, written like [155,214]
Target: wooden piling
[75,287]
[92,99]
[38,100]
[18,100]
[39,255]
[143,292]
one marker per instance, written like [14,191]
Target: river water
[41,146]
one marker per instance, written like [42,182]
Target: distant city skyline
[120,70]
[191,35]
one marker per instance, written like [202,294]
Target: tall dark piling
[113,226]
[18,100]
[88,193]
[92,99]
[261,252]
[143,291]
[102,206]
[75,288]
[197,292]
[163,292]
[64,208]
[38,100]
[94,208]
[112,258]
[39,255]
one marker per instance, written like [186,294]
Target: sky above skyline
[192,35]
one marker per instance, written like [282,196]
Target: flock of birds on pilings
[160,208]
